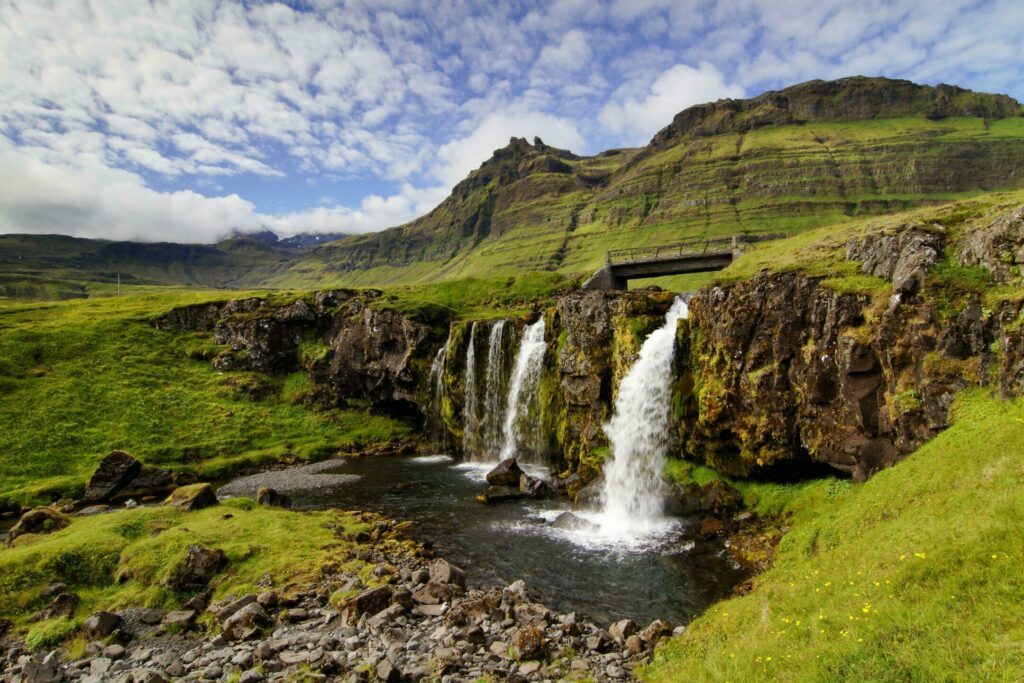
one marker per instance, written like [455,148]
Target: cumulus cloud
[115,115]
[672,91]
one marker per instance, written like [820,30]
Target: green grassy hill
[814,154]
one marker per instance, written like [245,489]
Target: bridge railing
[695,246]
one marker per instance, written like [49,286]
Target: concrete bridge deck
[697,255]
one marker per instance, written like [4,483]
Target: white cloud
[674,90]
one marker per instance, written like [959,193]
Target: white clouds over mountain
[169,119]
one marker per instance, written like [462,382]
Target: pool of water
[670,575]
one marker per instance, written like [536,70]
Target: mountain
[816,153]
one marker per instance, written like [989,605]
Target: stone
[501,649]
[529,668]
[40,520]
[430,610]
[622,629]
[224,610]
[115,471]
[368,602]
[635,644]
[45,671]
[599,642]
[711,527]
[570,522]
[150,676]
[532,613]
[199,566]
[267,599]
[179,619]
[63,605]
[150,481]
[90,510]
[211,672]
[529,643]
[500,494]
[434,593]
[387,672]
[100,665]
[534,487]
[246,622]
[506,473]
[53,590]
[443,571]
[272,498]
[151,616]
[115,651]
[192,497]
[251,676]
[657,630]
[100,625]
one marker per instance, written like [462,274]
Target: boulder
[507,473]
[443,571]
[657,630]
[40,520]
[369,601]
[715,497]
[271,498]
[534,487]
[622,629]
[100,625]
[179,619]
[529,643]
[570,522]
[199,566]
[246,622]
[434,593]
[500,494]
[63,605]
[150,481]
[192,497]
[114,472]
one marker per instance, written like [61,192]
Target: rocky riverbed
[411,619]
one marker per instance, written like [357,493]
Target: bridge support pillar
[606,280]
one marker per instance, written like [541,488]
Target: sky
[185,120]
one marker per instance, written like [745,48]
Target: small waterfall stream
[523,403]
[633,496]
[494,394]
[471,406]
[437,391]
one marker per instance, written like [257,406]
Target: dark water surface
[674,577]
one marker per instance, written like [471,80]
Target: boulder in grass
[199,566]
[114,473]
[507,473]
[40,520]
[100,625]
[193,497]
[271,498]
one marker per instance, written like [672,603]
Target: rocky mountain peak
[854,98]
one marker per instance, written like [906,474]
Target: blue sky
[181,120]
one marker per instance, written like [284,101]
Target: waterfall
[470,407]
[437,392]
[523,402]
[494,383]
[633,496]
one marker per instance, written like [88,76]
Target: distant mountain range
[815,153]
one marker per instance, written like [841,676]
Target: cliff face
[780,371]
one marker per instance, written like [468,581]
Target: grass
[125,558]
[912,575]
[81,378]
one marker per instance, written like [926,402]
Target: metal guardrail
[691,247]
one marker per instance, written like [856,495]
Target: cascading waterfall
[471,405]
[633,496]
[437,391]
[494,395]
[523,401]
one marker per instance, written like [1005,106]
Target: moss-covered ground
[83,377]
[913,575]
[125,558]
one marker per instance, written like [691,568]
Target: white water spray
[633,497]
[437,391]
[523,403]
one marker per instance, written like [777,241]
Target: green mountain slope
[816,153]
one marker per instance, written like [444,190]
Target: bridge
[695,255]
